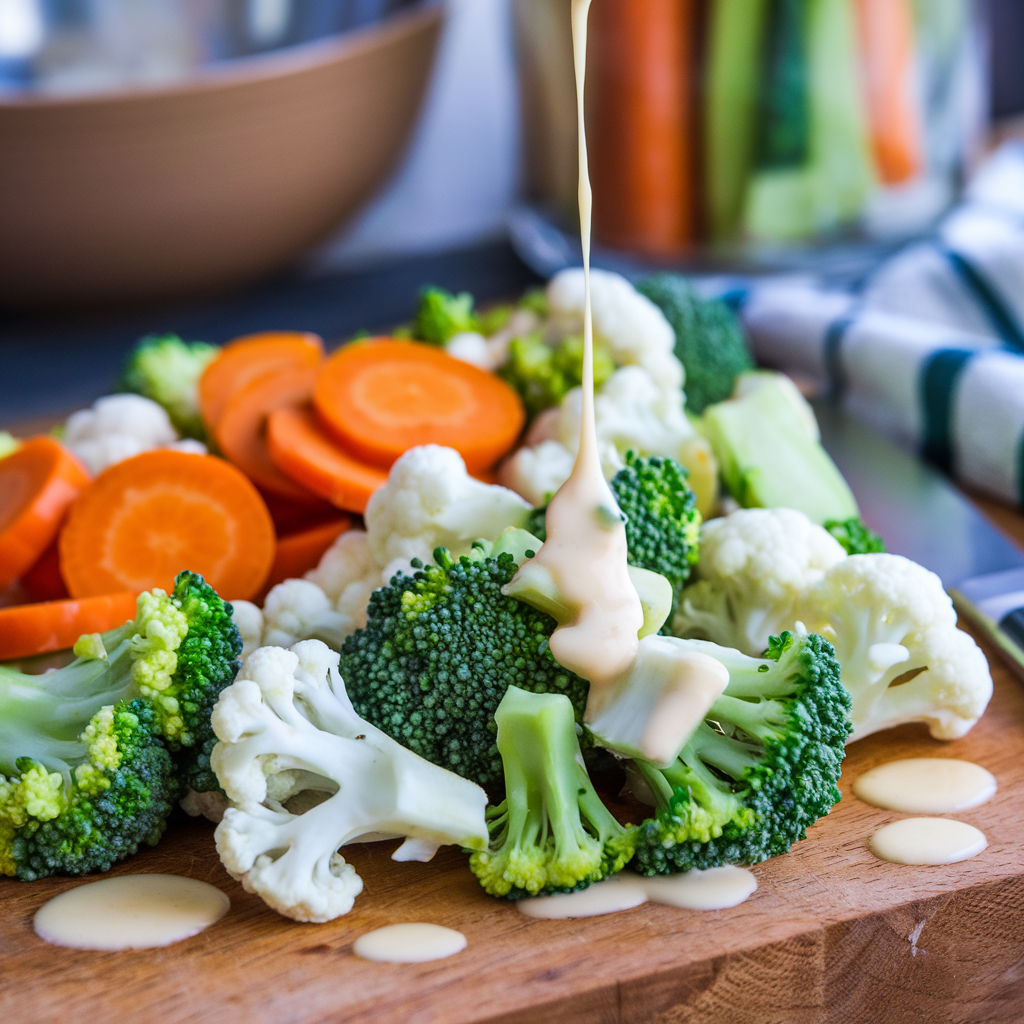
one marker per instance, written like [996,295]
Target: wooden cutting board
[832,934]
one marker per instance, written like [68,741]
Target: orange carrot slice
[29,629]
[381,397]
[37,485]
[299,552]
[241,432]
[145,519]
[290,516]
[305,453]
[43,582]
[243,360]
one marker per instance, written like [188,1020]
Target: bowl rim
[252,68]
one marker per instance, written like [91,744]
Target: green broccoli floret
[442,315]
[93,755]
[709,339]
[543,374]
[856,537]
[551,833]
[662,521]
[759,770]
[438,652]
[167,370]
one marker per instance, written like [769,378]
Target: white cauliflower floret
[471,347]
[902,657]
[755,566]
[210,805]
[536,472]
[249,620]
[635,329]
[348,573]
[430,501]
[305,775]
[119,427]
[297,610]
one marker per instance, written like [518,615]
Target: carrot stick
[29,629]
[886,29]
[299,552]
[38,483]
[308,455]
[641,123]
[241,432]
[145,519]
[243,360]
[43,582]
[381,397]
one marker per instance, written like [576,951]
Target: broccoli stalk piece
[167,370]
[442,315]
[759,770]
[709,339]
[551,833]
[438,652]
[856,537]
[662,521]
[93,755]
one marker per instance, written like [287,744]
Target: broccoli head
[709,339]
[759,770]
[856,538]
[167,370]
[551,833]
[438,652]
[442,315]
[662,521]
[93,755]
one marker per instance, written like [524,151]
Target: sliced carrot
[299,552]
[30,629]
[242,430]
[243,360]
[43,582]
[38,483]
[291,516]
[307,454]
[145,519]
[379,398]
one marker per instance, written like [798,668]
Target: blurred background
[183,147]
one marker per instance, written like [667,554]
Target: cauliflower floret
[631,413]
[118,427]
[305,775]
[471,347]
[903,658]
[348,573]
[249,620]
[634,328]
[755,566]
[296,610]
[430,501]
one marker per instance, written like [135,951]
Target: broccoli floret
[167,370]
[759,770]
[856,537]
[442,315]
[551,833]
[662,521]
[438,652]
[543,374]
[709,339]
[93,755]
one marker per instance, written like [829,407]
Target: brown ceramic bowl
[210,182]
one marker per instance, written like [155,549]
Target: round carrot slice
[43,582]
[305,453]
[37,485]
[30,629]
[380,398]
[243,360]
[241,432]
[145,519]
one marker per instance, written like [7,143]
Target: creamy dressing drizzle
[927,841]
[715,889]
[585,551]
[926,785]
[130,912]
[414,942]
